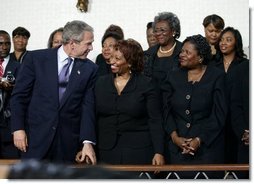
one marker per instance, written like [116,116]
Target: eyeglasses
[7,44]
[160,31]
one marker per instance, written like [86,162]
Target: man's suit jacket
[36,108]
[5,127]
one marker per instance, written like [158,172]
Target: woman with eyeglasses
[163,57]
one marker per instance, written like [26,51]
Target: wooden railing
[8,162]
[212,167]
[229,169]
[200,170]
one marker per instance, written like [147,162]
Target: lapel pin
[78,72]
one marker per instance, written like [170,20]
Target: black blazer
[104,68]
[135,114]
[219,63]
[150,59]
[239,95]
[239,107]
[195,110]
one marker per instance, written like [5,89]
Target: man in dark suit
[8,73]
[44,126]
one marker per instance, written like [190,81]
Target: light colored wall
[42,17]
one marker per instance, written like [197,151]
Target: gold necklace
[198,76]
[120,82]
[227,62]
[167,51]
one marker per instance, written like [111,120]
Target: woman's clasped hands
[188,145]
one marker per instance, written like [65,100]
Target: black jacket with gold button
[195,109]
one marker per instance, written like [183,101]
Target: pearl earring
[129,68]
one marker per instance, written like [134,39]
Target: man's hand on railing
[86,155]
[78,157]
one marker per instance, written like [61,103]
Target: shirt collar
[7,58]
[62,56]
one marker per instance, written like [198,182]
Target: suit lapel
[11,67]
[131,84]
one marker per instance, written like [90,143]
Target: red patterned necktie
[1,67]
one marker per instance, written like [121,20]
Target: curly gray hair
[173,22]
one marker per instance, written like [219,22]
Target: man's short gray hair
[74,30]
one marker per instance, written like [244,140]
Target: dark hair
[3,32]
[149,25]
[173,22]
[50,41]
[214,19]
[113,31]
[239,52]
[202,46]
[133,53]
[21,31]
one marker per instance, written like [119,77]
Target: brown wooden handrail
[8,161]
[205,167]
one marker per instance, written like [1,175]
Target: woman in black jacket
[129,118]
[194,108]
[163,57]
